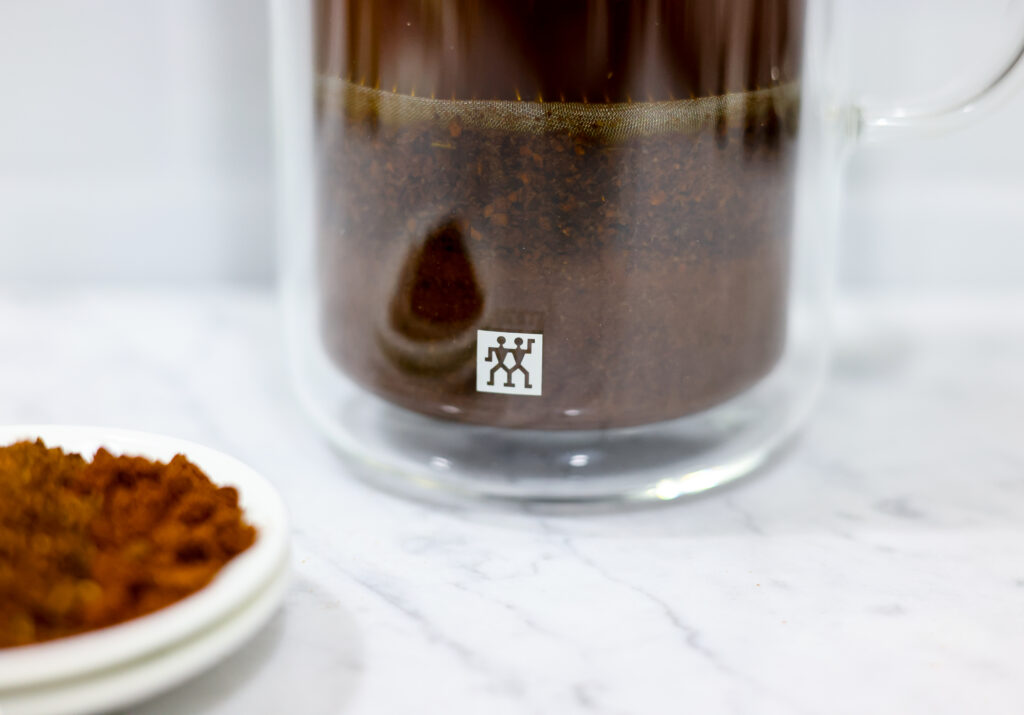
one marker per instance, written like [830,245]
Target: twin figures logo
[509,363]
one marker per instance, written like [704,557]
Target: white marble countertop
[879,567]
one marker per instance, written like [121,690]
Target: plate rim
[128,684]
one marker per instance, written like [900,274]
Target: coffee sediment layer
[647,241]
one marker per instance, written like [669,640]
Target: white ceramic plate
[237,582]
[145,677]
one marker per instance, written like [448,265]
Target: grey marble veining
[878,567]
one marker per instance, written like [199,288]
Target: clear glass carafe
[570,250]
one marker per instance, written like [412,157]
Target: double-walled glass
[564,250]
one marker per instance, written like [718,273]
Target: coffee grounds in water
[646,242]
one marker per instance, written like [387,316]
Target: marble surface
[878,567]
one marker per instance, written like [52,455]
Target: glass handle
[880,123]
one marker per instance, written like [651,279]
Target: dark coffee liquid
[583,197]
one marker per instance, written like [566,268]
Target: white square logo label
[509,363]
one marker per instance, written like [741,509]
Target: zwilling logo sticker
[509,363]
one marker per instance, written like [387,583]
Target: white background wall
[135,146]
[944,212]
[134,140]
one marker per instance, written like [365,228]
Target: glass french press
[563,250]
